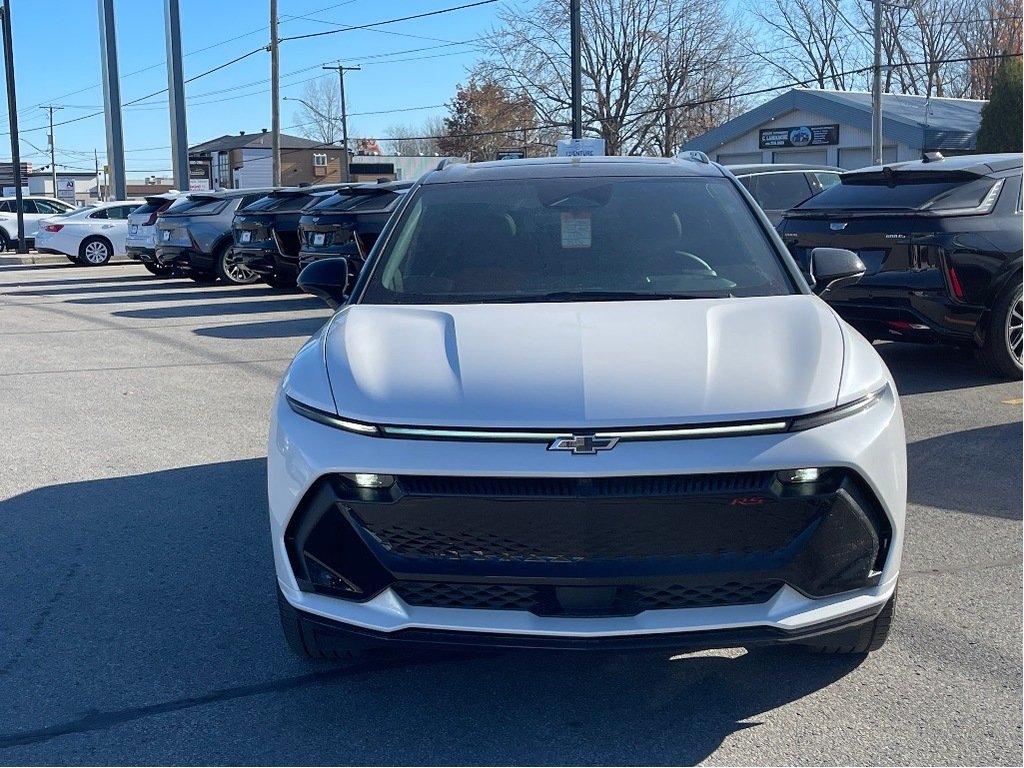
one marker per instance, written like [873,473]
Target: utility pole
[577,73]
[345,175]
[176,95]
[53,149]
[12,111]
[112,99]
[275,97]
[876,90]
[96,160]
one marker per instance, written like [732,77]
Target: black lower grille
[551,600]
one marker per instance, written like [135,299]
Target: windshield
[575,240]
[198,205]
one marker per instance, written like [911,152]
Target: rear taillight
[53,227]
[151,220]
[954,283]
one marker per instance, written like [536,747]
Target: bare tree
[414,141]
[807,41]
[629,48]
[994,28]
[319,116]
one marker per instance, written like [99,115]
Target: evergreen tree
[1001,123]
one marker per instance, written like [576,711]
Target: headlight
[835,414]
[330,419]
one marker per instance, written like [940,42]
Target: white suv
[585,402]
[36,209]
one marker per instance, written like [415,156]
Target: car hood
[584,365]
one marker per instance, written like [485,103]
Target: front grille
[546,600]
[655,485]
[448,595]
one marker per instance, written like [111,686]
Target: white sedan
[89,236]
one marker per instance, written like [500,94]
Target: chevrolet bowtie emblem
[583,444]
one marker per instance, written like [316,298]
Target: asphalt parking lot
[139,626]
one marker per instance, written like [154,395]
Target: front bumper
[409,591]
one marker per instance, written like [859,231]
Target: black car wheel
[94,251]
[5,242]
[1004,341]
[863,639]
[230,268]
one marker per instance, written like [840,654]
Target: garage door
[810,156]
[738,158]
[852,158]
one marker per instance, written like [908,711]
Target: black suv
[266,232]
[941,240]
[779,186]
[348,222]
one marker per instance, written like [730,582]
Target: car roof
[228,194]
[570,167]
[980,165]
[751,168]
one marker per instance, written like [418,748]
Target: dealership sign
[580,147]
[799,136]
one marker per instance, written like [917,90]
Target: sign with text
[66,189]
[799,136]
[510,154]
[580,148]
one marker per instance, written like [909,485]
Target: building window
[319,160]
[223,177]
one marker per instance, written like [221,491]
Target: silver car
[140,243]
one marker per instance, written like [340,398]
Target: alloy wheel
[96,252]
[1015,330]
[237,272]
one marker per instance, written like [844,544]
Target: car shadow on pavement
[936,470]
[143,285]
[144,596]
[921,368]
[223,308]
[220,293]
[270,329]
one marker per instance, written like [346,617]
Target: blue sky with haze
[406,65]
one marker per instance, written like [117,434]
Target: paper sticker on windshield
[576,229]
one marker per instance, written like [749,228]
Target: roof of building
[918,121]
[259,140]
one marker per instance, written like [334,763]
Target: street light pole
[275,97]
[345,175]
[576,35]
[12,113]
[876,90]
[53,150]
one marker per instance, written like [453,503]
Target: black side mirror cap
[834,267]
[327,279]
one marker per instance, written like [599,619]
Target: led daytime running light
[330,419]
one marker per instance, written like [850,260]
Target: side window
[779,191]
[6,207]
[30,206]
[101,213]
[45,206]
[247,200]
[120,212]
[826,179]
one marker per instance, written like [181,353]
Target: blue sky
[406,65]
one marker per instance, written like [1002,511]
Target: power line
[389,21]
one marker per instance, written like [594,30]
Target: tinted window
[288,202]
[198,206]
[779,191]
[826,179]
[339,201]
[876,193]
[29,206]
[558,239]
[101,213]
[148,208]
[120,212]
[6,207]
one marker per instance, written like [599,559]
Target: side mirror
[834,267]
[328,279]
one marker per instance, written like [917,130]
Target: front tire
[94,251]
[5,242]
[304,640]
[231,270]
[864,639]
[1004,339]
